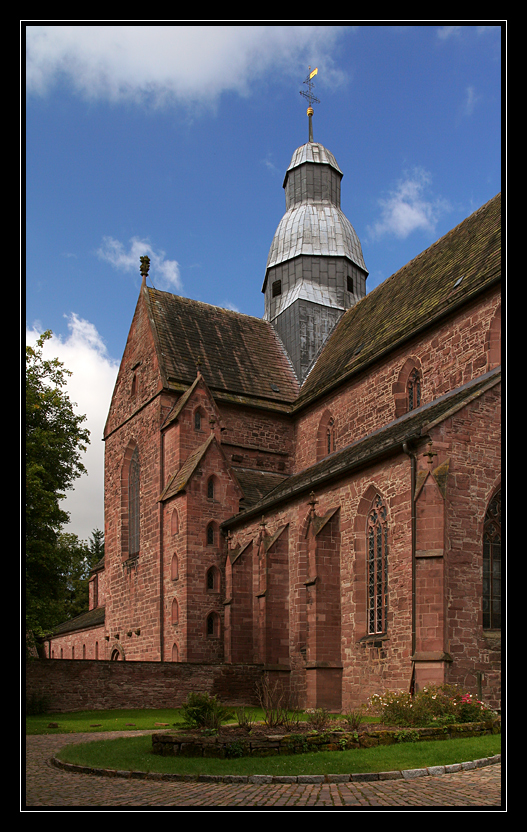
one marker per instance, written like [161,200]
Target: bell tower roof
[315,269]
[312,152]
[314,223]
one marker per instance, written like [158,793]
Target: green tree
[78,558]
[55,441]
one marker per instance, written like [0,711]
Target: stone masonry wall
[89,685]
[457,351]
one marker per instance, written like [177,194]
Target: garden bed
[261,741]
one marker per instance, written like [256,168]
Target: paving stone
[61,786]
[364,777]
[310,778]
[412,773]
[390,775]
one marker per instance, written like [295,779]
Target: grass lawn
[120,720]
[95,721]
[135,754]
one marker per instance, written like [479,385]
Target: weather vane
[310,98]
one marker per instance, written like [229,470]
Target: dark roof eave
[415,432]
[323,479]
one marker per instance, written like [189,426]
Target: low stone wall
[66,685]
[182,744]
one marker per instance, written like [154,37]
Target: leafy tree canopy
[55,441]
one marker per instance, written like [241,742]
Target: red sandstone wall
[473,434]
[366,667]
[134,587]
[460,349]
[137,409]
[88,685]
[83,644]
[188,637]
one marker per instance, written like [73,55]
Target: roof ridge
[206,303]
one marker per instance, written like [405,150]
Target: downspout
[413,461]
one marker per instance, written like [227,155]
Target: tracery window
[377,567]
[133,504]
[414,389]
[326,439]
[330,436]
[492,565]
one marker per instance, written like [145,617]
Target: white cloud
[169,64]
[446,32]
[163,273]
[90,387]
[470,101]
[407,209]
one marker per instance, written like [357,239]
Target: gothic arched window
[492,565]
[133,504]
[213,625]
[330,436]
[414,389]
[377,562]
[325,436]
[213,579]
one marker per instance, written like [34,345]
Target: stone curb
[257,779]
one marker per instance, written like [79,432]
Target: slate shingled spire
[315,268]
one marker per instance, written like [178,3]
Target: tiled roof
[180,479]
[256,484]
[92,618]
[381,443]
[458,266]
[240,356]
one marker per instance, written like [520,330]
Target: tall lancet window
[414,389]
[133,504]
[377,567]
[492,565]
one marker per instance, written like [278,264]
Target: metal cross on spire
[310,98]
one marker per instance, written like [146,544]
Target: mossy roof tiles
[238,354]
[92,618]
[459,265]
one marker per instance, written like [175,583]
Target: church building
[317,492]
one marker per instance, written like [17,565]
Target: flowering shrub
[435,705]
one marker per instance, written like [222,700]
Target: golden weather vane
[311,99]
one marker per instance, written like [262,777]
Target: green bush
[204,711]
[37,703]
[435,705]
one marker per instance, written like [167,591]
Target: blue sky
[173,141]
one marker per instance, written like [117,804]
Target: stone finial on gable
[145,266]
